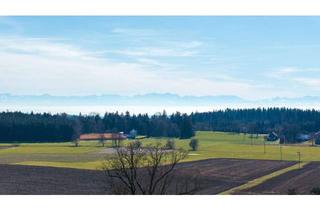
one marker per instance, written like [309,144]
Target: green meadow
[89,155]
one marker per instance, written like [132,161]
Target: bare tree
[102,139]
[194,144]
[150,170]
[76,142]
[77,129]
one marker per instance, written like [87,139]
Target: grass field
[212,145]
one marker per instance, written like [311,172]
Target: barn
[105,136]
[272,136]
[116,138]
[316,138]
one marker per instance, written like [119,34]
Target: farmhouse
[116,138]
[105,136]
[303,137]
[272,136]
[316,138]
[313,137]
[316,135]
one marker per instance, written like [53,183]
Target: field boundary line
[262,179]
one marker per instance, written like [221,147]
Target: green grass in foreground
[212,145]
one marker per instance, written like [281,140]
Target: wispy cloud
[183,44]
[311,82]
[41,46]
[303,76]
[142,32]
[37,66]
[157,45]
[292,46]
[157,52]
[283,73]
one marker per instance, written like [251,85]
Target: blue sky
[249,57]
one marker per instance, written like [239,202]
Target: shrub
[16,144]
[171,144]
[136,144]
[76,142]
[315,191]
[194,144]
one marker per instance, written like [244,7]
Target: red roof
[106,136]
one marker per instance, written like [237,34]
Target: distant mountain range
[152,99]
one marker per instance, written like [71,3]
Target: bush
[76,142]
[171,144]
[16,144]
[194,144]
[317,141]
[136,144]
[315,191]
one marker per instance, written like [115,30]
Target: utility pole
[313,140]
[280,151]
[299,159]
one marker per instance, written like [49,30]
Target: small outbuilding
[133,134]
[303,137]
[316,138]
[272,136]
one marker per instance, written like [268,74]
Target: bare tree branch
[148,170]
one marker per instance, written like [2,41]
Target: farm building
[303,137]
[116,138]
[272,136]
[132,134]
[105,136]
[316,138]
[313,137]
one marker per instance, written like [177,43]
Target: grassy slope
[226,145]
[212,145]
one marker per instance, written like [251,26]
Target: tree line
[288,123]
[35,127]
[32,127]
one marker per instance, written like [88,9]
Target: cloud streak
[38,66]
[157,52]
[303,76]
